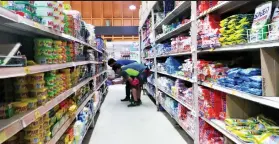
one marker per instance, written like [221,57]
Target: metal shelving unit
[270,100]
[19,26]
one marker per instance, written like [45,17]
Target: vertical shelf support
[194,59]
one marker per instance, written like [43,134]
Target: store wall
[112,13]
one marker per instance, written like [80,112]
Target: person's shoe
[140,102]
[133,104]
[125,99]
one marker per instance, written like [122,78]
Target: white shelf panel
[174,13]
[268,101]
[245,47]
[178,77]
[174,54]
[189,107]
[180,124]
[23,71]
[17,22]
[220,126]
[9,127]
[174,32]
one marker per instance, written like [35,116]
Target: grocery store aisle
[118,124]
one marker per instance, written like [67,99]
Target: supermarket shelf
[174,13]
[176,119]
[174,32]
[98,87]
[151,83]
[14,21]
[268,101]
[178,77]
[223,7]
[86,129]
[145,15]
[181,102]
[66,125]
[149,58]
[220,126]
[97,75]
[8,72]
[9,127]
[174,54]
[245,47]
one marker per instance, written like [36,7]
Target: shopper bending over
[123,62]
[136,74]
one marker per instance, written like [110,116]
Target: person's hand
[135,82]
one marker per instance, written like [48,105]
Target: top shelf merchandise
[51,67]
[219,61]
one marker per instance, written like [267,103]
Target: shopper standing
[123,62]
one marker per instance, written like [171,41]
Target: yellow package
[32,102]
[39,77]
[20,107]
[266,138]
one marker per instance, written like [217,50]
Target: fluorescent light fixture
[132,7]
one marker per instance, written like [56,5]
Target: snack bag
[261,18]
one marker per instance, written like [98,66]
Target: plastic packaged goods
[205,5]
[254,130]
[262,16]
[234,29]
[212,104]
[209,135]
[208,32]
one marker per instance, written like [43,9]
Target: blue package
[230,85]
[221,80]
[238,87]
[234,72]
[255,91]
[229,80]
[245,78]
[257,85]
[250,72]
[256,78]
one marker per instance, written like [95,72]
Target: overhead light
[132,7]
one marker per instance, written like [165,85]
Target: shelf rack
[269,99]
[12,23]
[66,125]
[9,127]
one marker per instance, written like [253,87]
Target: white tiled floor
[118,124]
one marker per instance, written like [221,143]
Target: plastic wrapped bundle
[77,21]
[172,65]
[91,38]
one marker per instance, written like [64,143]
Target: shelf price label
[27,70]
[37,114]
[36,25]
[210,85]
[3,136]
[233,92]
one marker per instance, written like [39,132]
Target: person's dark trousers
[128,90]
